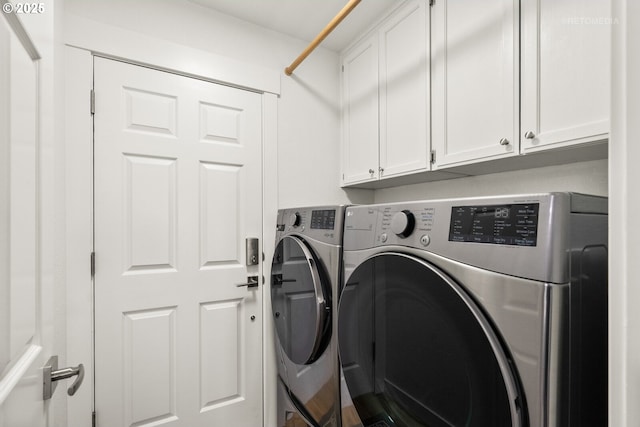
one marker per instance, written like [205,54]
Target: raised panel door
[178,183]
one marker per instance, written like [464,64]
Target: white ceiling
[304,19]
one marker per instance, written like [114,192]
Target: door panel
[177,190]
[149,365]
[219,182]
[150,213]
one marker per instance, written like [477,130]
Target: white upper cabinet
[360,112]
[565,72]
[404,101]
[474,81]
[385,98]
[475,94]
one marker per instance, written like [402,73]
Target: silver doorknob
[504,141]
[529,135]
[252,282]
[51,374]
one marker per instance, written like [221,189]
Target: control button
[425,240]
[402,223]
[383,237]
[294,220]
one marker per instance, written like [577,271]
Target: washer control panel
[323,223]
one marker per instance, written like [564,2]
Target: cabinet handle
[371,171]
[504,141]
[381,170]
[529,135]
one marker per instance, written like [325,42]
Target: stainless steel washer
[475,312]
[306,272]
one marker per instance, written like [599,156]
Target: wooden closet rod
[323,34]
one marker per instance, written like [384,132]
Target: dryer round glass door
[299,301]
[417,351]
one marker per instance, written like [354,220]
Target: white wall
[585,177]
[308,108]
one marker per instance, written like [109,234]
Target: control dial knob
[403,223]
[294,219]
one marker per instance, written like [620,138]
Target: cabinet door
[360,110]
[404,92]
[475,104]
[565,72]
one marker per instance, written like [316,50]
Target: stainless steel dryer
[305,279]
[483,312]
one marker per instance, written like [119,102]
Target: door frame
[84,40]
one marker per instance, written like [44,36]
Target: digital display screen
[324,219]
[515,224]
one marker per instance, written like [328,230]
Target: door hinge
[93,264]
[93,419]
[433,156]
[93,102]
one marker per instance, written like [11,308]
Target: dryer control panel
[507,224]
[521,235]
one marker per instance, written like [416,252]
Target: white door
[177,190]
[26,302]
[360,113]
[474,80]
[566,84]
[404,91]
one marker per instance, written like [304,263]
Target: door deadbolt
[252,251]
